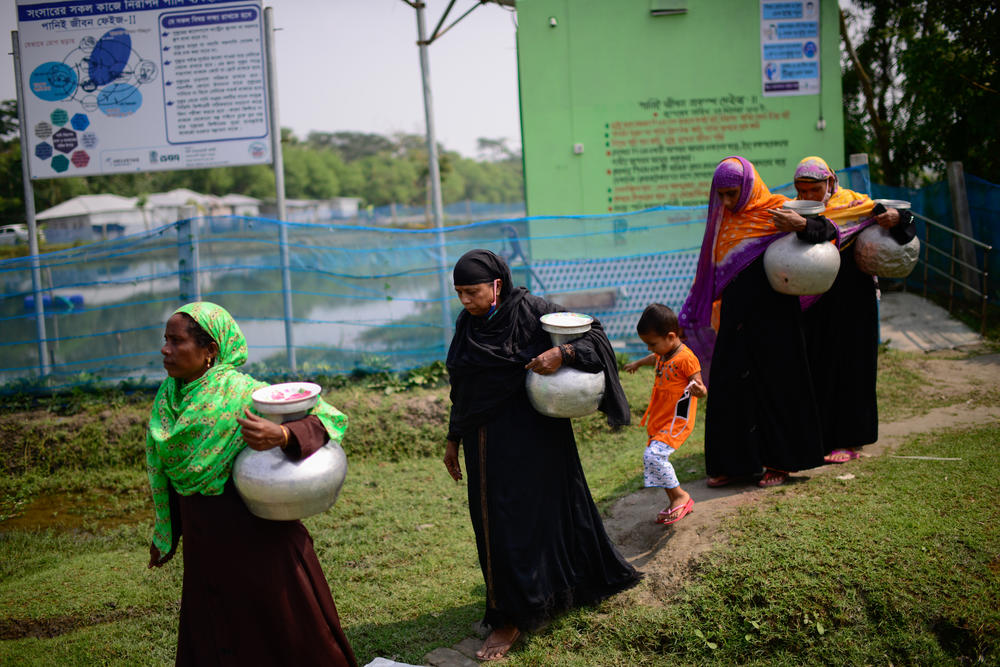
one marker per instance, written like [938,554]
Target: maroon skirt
[254,592]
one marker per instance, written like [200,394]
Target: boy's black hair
[658,319]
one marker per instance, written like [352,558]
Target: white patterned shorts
[656,467]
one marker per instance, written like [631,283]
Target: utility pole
[434,175]
[434,169]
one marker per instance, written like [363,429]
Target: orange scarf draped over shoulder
[751,221]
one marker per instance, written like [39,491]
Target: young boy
[669,419]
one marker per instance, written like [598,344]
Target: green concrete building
[630,104]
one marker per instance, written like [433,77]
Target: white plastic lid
[566,323]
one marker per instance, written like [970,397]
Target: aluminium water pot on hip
[276,487]
[568,392]
[878,254]
[799,268]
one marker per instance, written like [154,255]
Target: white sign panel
[142,85]
[789,47]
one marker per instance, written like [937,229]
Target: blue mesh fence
[463,211]
[934,201]
[363,296]
[984,208]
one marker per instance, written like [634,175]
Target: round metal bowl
[878,254]
[565,326]
[566,393]
[277,488]
[796,267]
[286,401]
[804,207]
[898,204]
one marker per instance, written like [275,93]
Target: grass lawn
[898,565]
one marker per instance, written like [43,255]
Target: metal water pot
[275,487]
[799,268]
[878,254]
[568,392]
[272,485]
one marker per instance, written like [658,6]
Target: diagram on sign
[116,87]
[102,74]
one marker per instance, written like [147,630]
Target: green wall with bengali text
[655,102]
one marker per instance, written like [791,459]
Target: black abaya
[761,410]
[542,545]
[841,331]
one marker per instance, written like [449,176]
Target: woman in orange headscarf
[841,325]
[762,412]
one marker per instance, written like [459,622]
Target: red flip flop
[682,511]
[772,478]
[851,455]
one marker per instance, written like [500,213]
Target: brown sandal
[772,478]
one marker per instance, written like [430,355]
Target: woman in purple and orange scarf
[749,338]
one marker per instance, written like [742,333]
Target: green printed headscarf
[193,435]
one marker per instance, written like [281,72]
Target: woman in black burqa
[542,545]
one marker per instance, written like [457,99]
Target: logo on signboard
[258,149]
[158,158]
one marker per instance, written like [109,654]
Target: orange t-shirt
[670,415]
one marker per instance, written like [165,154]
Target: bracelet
[284,432]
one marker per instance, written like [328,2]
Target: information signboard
[789,47]
[142,85]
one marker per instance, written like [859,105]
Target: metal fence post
[927,254]
[951,277]
[29,214]
[986,289]
[188,264]
[434,175]
[961,220]
[279,185]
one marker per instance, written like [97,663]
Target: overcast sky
[354,65]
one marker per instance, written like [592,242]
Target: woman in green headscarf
[254,591]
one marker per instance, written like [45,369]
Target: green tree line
[380,170]
[921,85]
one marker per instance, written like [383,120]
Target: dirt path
[665,554]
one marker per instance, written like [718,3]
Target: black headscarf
[482,266]
[488,354]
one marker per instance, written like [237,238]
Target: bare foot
[498,643]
